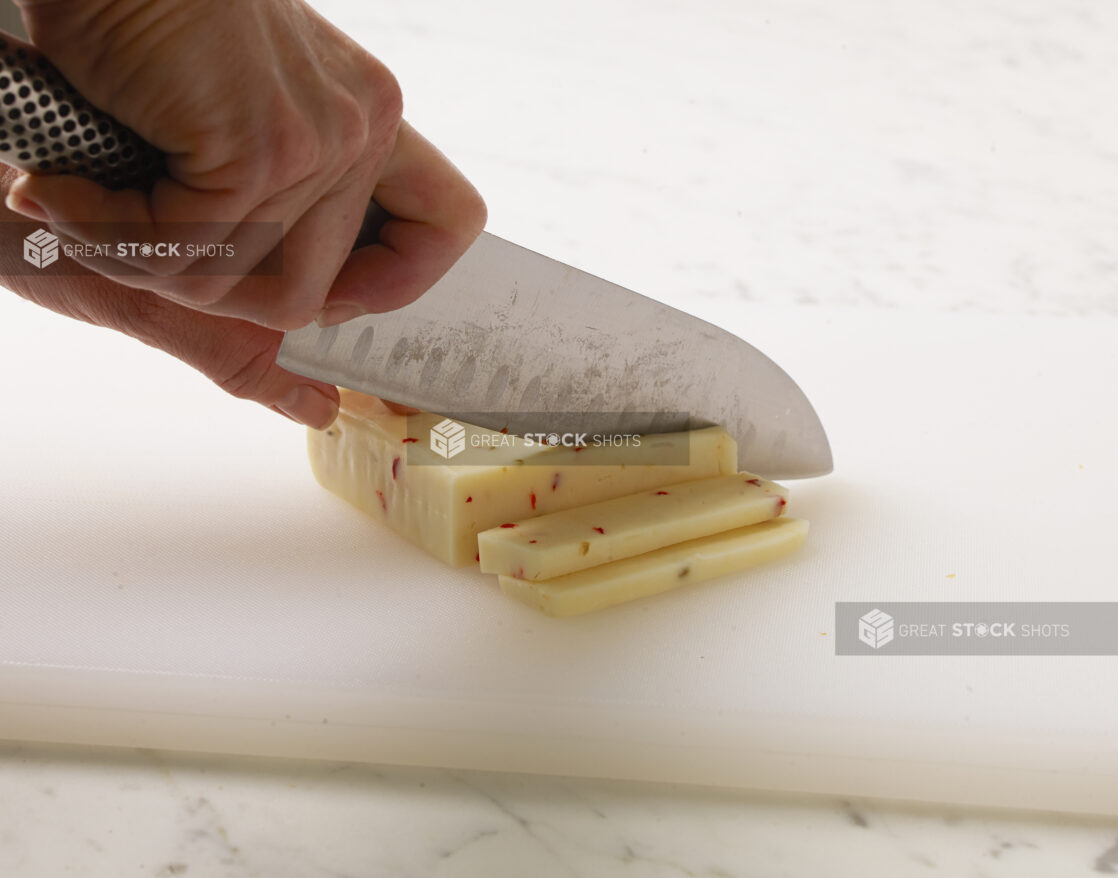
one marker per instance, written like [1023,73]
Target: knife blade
[509,335]
[512,337]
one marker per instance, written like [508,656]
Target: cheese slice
[598,533]
[381,462]
[661,570]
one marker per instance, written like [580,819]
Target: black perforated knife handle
[48,127]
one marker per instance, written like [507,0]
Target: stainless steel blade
[507,332]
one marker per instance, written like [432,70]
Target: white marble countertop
[129,813]
[942,155]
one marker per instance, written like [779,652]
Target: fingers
[81,212]
[240,357]
[278,287]
[313,252]
[87,212]
[418,183]
[435,215]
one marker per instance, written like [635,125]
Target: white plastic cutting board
[172,576]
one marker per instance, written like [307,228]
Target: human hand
[238,355]
[268,115]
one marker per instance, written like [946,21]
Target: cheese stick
[598,533]
[661,570]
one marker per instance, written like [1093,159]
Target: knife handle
[48,127]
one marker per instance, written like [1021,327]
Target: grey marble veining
[952,155]
[127,813]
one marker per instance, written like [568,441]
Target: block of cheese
[369,458]
[587,536]
[661,570]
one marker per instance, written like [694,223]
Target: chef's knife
[509,336]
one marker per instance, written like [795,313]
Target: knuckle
[351,122]
[366,116]
[384,89]
[243,372]
[386,101]
[334,138]
[293,145]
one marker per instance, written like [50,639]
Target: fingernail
[309,405]
[26,206]
[335,314]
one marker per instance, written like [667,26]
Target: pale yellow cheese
[587,536]
[662,570]
[364,458]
